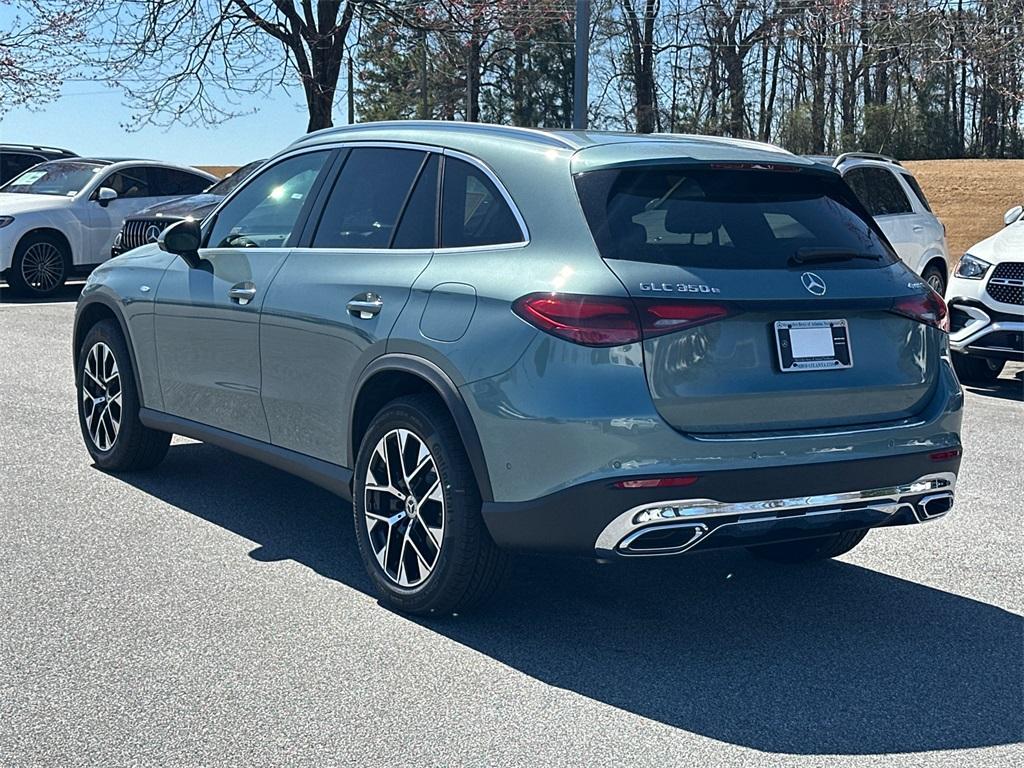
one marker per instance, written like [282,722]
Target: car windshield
[229,182]
[727,219]
[60,178]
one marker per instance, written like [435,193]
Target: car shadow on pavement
[68,293]
[1006,387]
[824,659]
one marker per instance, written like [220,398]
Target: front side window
[725,219]
[265,212]
[363,207]
[227,185]
[130,182]
[473,211]
[878,190]
[64,178]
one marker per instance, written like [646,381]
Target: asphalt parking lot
[215,611]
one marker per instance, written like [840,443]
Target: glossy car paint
[549,414]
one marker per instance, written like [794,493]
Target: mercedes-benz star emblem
[153,234]
[813,283]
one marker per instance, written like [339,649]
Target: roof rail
[38,147]
[865,156]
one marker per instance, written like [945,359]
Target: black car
[146,225]
[17,158]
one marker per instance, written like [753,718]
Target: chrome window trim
[443,151]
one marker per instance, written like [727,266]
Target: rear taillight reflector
[949,455]
[609,321]
[658,482]
[928,308]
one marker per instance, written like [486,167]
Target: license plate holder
[813,345]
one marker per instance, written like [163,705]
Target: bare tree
[204,61]
[36,50]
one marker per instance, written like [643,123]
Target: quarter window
[363,208]
[265,212]
[473,212]
[878,190]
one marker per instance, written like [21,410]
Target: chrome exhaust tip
[931,507]
[663,539]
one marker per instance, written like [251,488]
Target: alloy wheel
[403,507]
[936,283]
[101,396]
[42,266]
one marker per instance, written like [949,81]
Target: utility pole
[582,74]
[424,94]
[351,93]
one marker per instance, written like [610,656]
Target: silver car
[494,338]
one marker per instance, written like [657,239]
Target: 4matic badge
[678,288]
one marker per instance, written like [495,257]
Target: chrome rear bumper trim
[627,527]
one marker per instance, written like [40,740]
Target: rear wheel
[809,550]
[417,512]
[936,278]
[977,370]
[40,266]
[108,404]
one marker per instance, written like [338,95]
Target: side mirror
[1013,214]
[183,239]
[104,195]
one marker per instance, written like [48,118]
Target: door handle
[918,228]
[242,293]
[365,305]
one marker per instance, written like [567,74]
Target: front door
[207,318]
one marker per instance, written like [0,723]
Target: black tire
[468,566]
[809,550]
[935,276]
[40,266]
[972,369]
[133,445]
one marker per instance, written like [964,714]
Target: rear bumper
[729,507]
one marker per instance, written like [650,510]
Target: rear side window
[724,219]
[363,207]
[165,182]
[13,163]
[473,211]
[917,191]
[418,225]
[878,190]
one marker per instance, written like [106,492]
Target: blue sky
[87,119]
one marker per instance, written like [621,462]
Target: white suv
[59,218]
[986,303]
[895,200]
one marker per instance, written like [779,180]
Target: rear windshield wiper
[816,255]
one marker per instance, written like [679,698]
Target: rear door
[336,298]
[881,193]
[782,294]
[207,318]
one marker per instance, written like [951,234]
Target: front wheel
[417,512]
[40,266]
[972,369]
[809,550]
[108,404]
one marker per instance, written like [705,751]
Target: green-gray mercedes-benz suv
[494,338]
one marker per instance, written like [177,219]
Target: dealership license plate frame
[801,345]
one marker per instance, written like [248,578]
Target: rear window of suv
[725,218]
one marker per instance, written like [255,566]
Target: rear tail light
[608,321]
[928,308]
